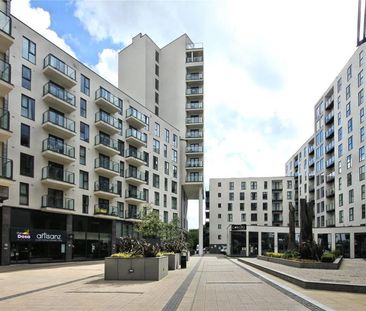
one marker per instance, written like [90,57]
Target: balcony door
[57,117]
[55,198]
[56,144]
[105,139]
[104,161]
[104,183]
[103,205]
[55,171]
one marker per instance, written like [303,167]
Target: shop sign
[238,227]
[31,235]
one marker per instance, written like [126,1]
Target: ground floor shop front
[31,236]
[256,240]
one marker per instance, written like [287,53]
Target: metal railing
[5,23]
[56,202]
[59,65]
[54,145]
[194,120]
[5,120]
[132,173]
[194,105]
[106,95]
[6,168]
[59,174]
[60,93]
[135,194]
[105,187]
[135,154]
[5,71]
[194,164]
[106,118]
[132,112]
[136,134]
[106,141]
[108,165]
[194,149]
[194,178]
[194,91]
[195,59]
[194,76]
[58,119]
[100,209]
[194,134]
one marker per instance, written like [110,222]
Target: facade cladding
[82,161]
[328,170]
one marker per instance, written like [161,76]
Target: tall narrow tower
[361,22]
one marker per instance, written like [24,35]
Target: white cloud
[107,65]
[267,61]
[40,21]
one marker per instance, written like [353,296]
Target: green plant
[274,254]
[310,250]
[328,257]
[125,255]
[151,226]
[129,245]
[160,254]
[150,249]
[293,254]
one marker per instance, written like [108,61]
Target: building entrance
[238,243]
[360,245]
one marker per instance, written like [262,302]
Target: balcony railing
[6,168]
[106,118]
[106,187]
[5,23]
[296,164]
[102,93]
[108,165]
[194,164]
[330,162]
[58,119]
[194,76]
[329,132]
[329,147]
[52,144]
[195,59]
[194,120]
[56,202]
[330,177]
[329,102]
[329,117]
[5,71]
[311,162]
[277,208]
[60,93]
[195,149]
[135,194]
[132,112]
[194,105]
[135,154]
[330,207]
[192,46]
[195,91]
[54,62]
[129,173]
[132,214]
[194,178]
[277,198]
[311,174]
[278,219]
[194,134]
[136,134]
[5,120]
[106,141]
[330,192]
[331,222]
[100,209]
[311,149]
[59,174]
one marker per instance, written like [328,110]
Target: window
[156,198]
[289,195]
[121,147]
[265,195]
[362,134]
[349,179]
[219,205]
[243,185]
[26,77]
[174,187]
[157,84]
[230,207]
[350,143]
[85,204]
[175,171]
[361,97]
[289,184]
[351,214]
[351,197]
[265,206]
[350,126]
[28,106]
[253,195]
[25,135]
[340,150]
[265,185]
[253,217]
[82,155]
[175,141]
[362,173]
[231,185]
[166,168]
[349,161]
[157,129]
[339,84]
[349,73]
[348,110]
[29,50]
[174,156]
[243,218]
[155,163]
[26,165]
[242,206]
[157,70]
[85,85]
[363,211]
[253,206]
[348,92]
[156,98]
[167,135]
[219,194]
[219,236]
[340,134]
[361,154]
[219,216]
[165,151]
[362,115]
[340,199]
[242,196]
[166,217]
[339,118]
[83,108]
[84,132]
[253,185]
[122,170]
[341,217]
[360,58]
[363,192]
[229,217]
[156,181]
[157,56]
[156,146]
[174,203]
[23,194]
[84,180]
[219,184]
[231,196]
[360,78]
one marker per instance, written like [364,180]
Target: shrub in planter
[273,254]
[293,254]
[310,250]
[327,257]
[129,245]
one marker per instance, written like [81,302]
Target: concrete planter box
[307,265]
[174,261]
[149,268]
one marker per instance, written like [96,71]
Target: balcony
[58,125]
[5,133]
[311,162]
[60,204]
[135,197]
[329,117]
[6,172]
[278,219]
[106,145]
[136,137]
[330,162]
[134,157]
[311,175]
[311,149]
[56,151]
[330,177]
[133,215]
[108,169]
[59,98]
[6,40]
[194,149]
[135,177]
[329,132]
[194,106]
[107,101]
[107,123]
[57,71]
[329,102]
[330,222]
[194,164]
[105,190]
[311,188]
[194,179]
[194,59]
[194,91]
[329,147]
[57,178]
[108,211]
[194,135]
[296,163]
[194,122]
[194,77]
[5,78]
[330,207]
[330,192]
[277,197]
[135,118]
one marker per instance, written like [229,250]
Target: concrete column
[5,235]
[247,242]
[332,234]
[352,245]
[200,220]
[276,242]
[260,243]
[114,233]
[69,243]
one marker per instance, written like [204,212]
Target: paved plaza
[208,283]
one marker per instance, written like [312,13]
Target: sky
[267,63]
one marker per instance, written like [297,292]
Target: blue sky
[266,64]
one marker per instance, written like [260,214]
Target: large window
[23,194]
[25,135]
[26,165]
[85,85]
[82,155]
[28,107]
[156,146]
[29,50]
[26,77]
[85,204]
[84,180]
[84,132]
[83,108]
[156,181]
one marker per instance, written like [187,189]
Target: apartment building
[169,81]
[246,213]
[81,159]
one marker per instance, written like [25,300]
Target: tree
[150,226]
[192,238]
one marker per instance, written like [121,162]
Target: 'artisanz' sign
[238,227]
[32,235]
